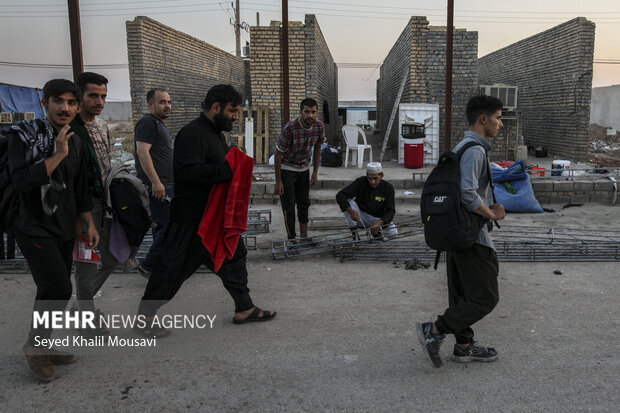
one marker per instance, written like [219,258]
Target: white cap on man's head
[374,168]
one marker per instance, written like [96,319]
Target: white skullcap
[374,168]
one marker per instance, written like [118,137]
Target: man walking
[95,138]
[472,273]
[153,146]
[368,202]
[199,163]
[292,160]
[45,160]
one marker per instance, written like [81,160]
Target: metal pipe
[449,52]
[285,67]
[237,30]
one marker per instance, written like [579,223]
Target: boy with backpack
[472,271]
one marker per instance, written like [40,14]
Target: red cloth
[226,215]
[505,164]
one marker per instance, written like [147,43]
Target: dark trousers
[296,191]
[181,255]
[472,291]
[50,264]
[160,214]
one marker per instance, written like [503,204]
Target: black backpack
[331,157]
[448,225]
[127,206]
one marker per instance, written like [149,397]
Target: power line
[355,6]
[353,13]
[64,66]
[102,3]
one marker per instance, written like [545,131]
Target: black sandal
[267,315]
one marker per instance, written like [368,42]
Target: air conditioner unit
[246,50]
[6,118]
[507,94]
[28,115]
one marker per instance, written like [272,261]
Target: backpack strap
[460,153]
[465,147]
[437,256]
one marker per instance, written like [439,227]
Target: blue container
[559,164]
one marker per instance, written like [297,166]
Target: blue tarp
[21,99]
[523,200]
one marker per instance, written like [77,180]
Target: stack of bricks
[422,49]
[160,56]
[553,71]
[573,191]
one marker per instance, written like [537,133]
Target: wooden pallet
[260,115]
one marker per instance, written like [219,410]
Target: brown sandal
[267,315]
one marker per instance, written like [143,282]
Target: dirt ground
[344,339]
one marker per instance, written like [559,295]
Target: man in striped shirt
[292,165]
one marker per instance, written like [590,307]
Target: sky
[36,43]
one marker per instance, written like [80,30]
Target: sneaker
[38,363]
[430,342]
[475,352]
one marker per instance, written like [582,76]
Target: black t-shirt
[153,131]
[378,202]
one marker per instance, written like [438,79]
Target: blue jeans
[160,214]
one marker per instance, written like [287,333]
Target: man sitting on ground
[368,202]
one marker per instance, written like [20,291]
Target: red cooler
[414,153]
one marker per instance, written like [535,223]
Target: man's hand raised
[62,141]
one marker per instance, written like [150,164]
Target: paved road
[343,340]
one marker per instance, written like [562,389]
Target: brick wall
[160,56]
[553,71]
[321,76]
[421,48]
[573,191]
[312,72]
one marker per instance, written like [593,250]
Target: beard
[222,124]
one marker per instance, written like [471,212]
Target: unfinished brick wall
[266,70]
[321,76]
[553,71]
[160,56]
[422,49]
[312,72]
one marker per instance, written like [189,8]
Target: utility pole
[77,59]
[449,50]
[237,29]
[285,80]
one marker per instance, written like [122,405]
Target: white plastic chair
[351,135]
